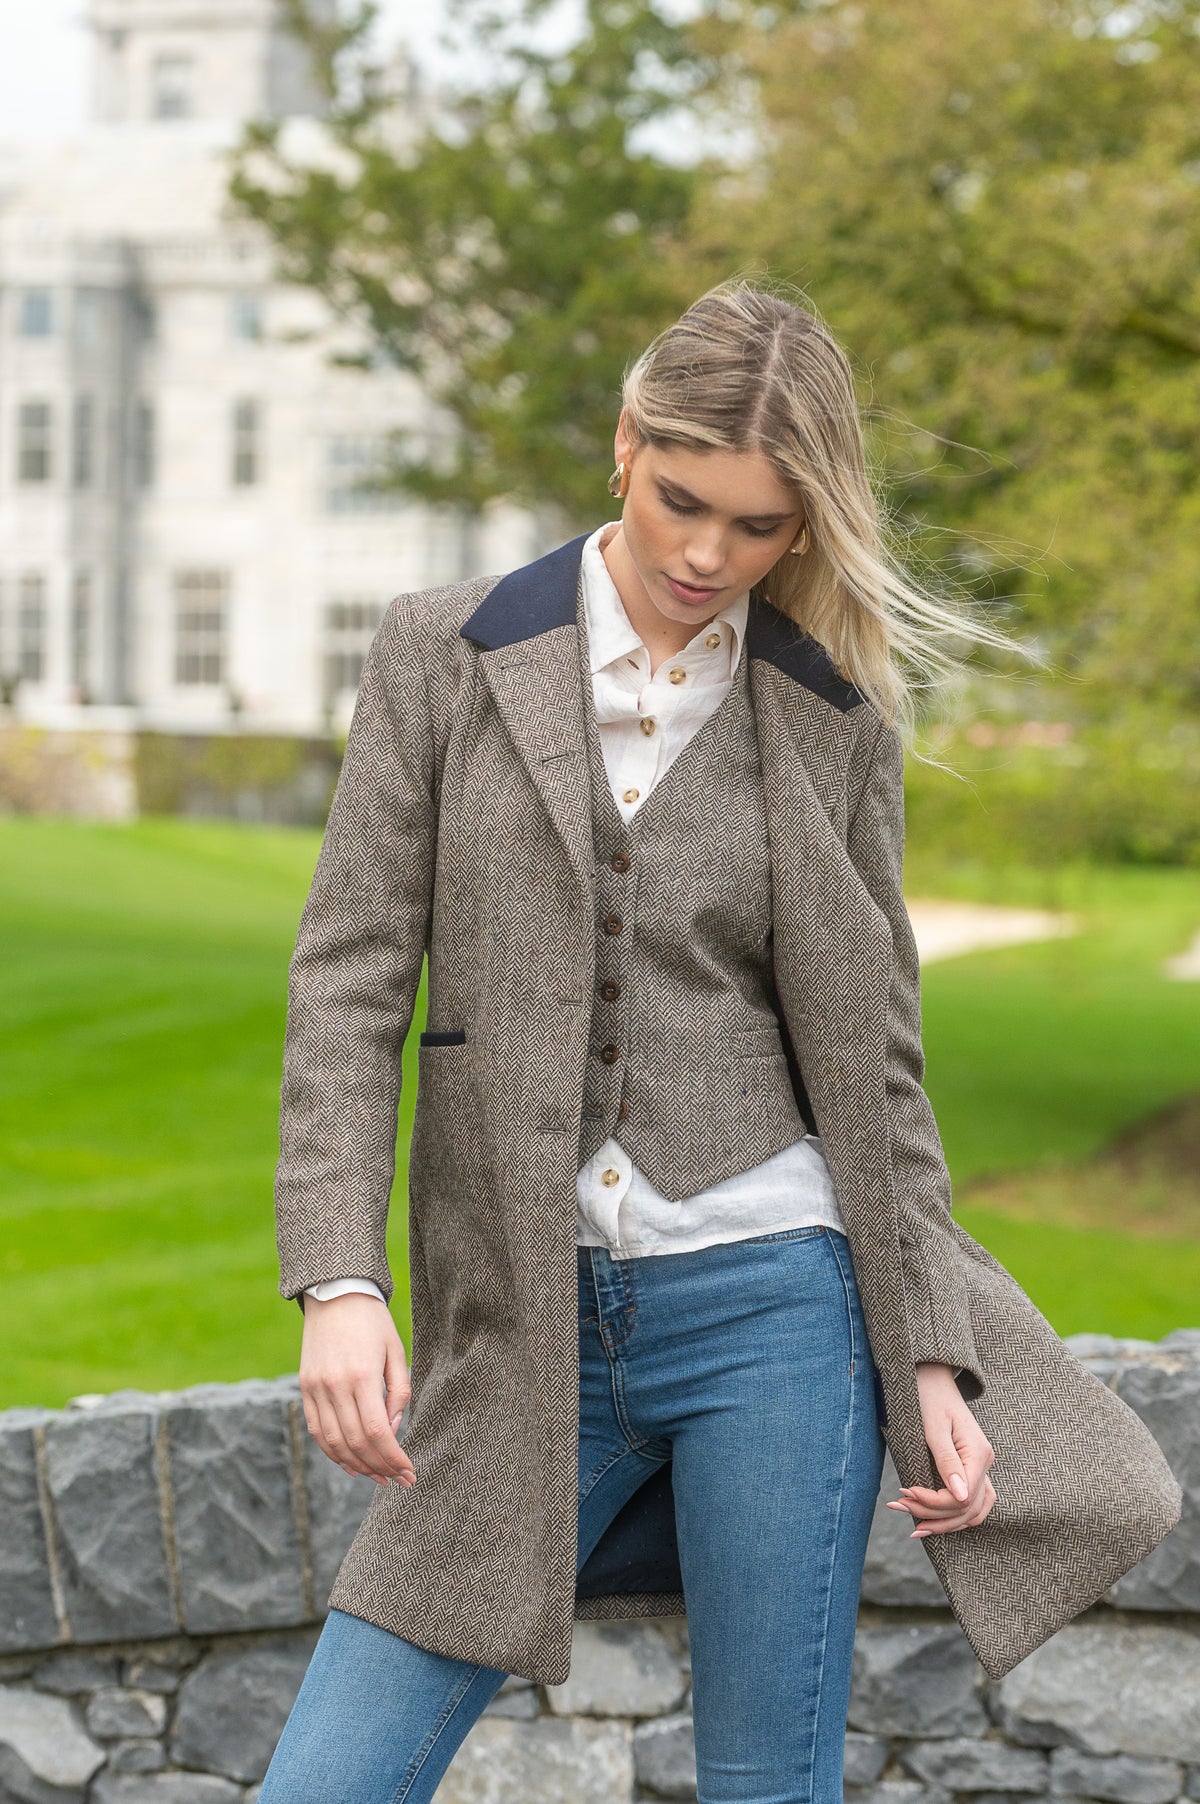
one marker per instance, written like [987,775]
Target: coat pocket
[450,1036]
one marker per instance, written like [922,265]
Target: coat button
[610,1176]
[610,991]
[620,861]
[648,724]
[612,923]
[679,676]
[610,1053]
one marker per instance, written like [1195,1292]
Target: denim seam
[409,1778]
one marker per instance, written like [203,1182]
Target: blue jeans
[747,1364]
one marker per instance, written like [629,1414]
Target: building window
[89,316]
[33,442]
[349,628]
[31,627]
[172,78]
[83,461]
[81,628]
[201,603]
[143,444]
[144,316]
[246,450]
[349,459]
[35,312]
[247,317]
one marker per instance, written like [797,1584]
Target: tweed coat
[461,831]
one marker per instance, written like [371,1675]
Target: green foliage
[259,775]
[514,254]
[997,208]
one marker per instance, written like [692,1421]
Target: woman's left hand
[961,1452]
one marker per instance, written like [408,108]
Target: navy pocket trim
[451,1036]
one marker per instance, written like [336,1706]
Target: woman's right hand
[354,1381]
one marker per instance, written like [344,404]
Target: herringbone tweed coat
[461,828]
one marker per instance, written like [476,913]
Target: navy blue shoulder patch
[773,635]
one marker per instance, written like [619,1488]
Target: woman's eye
[762,532]
[756,532]
[675,506]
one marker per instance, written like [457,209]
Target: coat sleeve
[353,977]
[935,1293]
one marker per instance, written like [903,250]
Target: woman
[680,1239]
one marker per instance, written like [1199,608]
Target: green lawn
[141,1026]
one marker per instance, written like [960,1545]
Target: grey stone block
[233,1705]
[522,1706]
[136,1756]
[916,1681]
[664,1756]
[235,1521]
[164,1788]
[116,1712]
[547,1762]
[1166,1395]
[897,1569]
[1124,1778]
[43,1750]
[1191,1787]
[865,1757]
[1107,1688]
[897,1791]
[27,1614]
[619,1669]
[160,1667]
[967,1763]
[76,1670]
[337,1503]
[109,1529]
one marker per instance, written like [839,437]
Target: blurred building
[183,539]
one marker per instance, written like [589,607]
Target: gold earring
[805,542]
[616,482]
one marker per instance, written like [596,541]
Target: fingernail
[959,1487]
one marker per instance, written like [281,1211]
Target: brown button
[713,640]
[623,1110]
[620,861]
[610,991]
[612,923]
[630,795]
[610,1053]
[609,1176]
[648,724]
[679,676]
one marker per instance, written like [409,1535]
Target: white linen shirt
[624,1212]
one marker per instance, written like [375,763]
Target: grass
[141,1029]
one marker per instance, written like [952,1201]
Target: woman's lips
[685,592]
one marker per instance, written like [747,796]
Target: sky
[44,60]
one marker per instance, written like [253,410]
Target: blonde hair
[746,369]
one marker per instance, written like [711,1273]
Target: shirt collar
[611,633]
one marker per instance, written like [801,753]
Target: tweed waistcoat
[686,1068]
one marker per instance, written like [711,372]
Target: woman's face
[702,527]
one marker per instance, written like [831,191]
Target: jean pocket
[804,1233]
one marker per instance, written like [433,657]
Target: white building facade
[182,541]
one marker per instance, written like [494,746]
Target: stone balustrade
[166,1557]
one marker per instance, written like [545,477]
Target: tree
[997,209]
[514,248]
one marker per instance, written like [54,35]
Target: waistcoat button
[612,923]
[610,991]
[610,1053]
[620,861]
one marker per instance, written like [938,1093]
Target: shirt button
[612,923]
[620,861]
[610,1176]
[630,795]
[713,640]
[678,676]
[610,1053]
[648,724]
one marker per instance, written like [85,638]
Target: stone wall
[165,1561]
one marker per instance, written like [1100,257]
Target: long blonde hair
[746,369]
